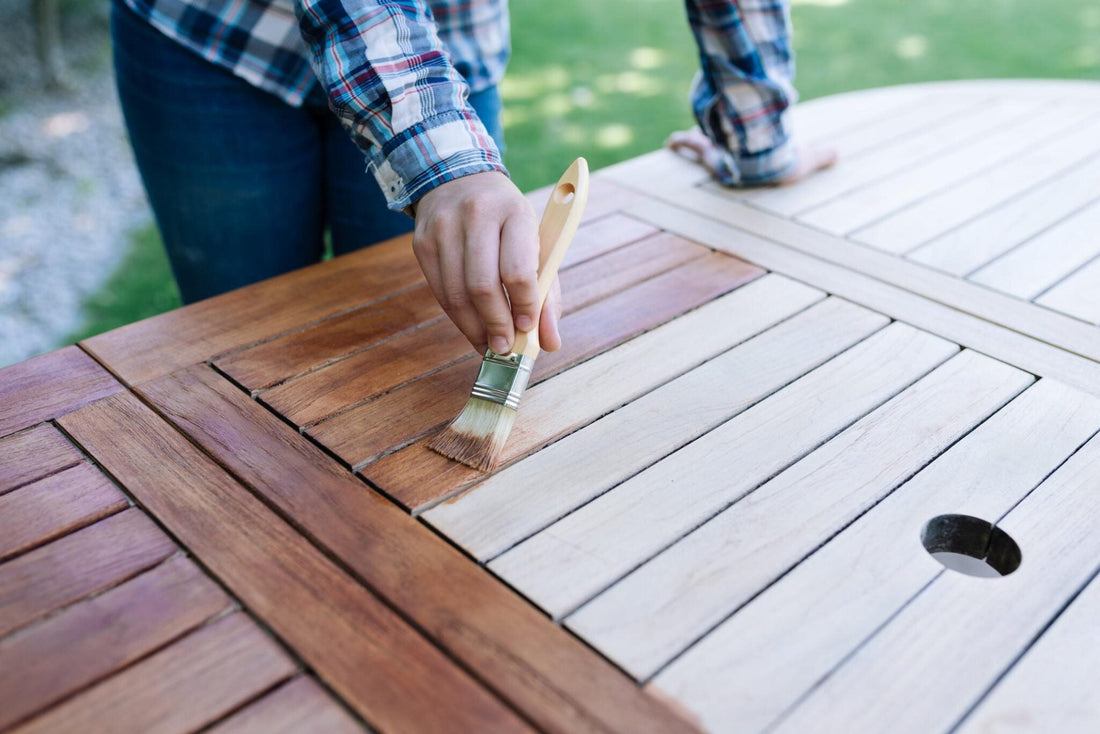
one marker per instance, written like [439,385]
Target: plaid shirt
[397,72]
[741,96]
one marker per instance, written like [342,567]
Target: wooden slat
[721,565]
[87,561]
[300,351]
[951,307]
[526,497]
[1039,263]
[595,238]
[965,122]
[297,706]
[56,505]
[932,216]
[1050,690]
[874,201]
[366,652]
[967,630]
[754,666]
[209,328]
[419,477]
[93,639]
[573,559]
[50,385]
[976,243]
[33,454]
[361,435]
[1078,295]
[188,685]
[554,679]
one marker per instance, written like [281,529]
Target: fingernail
[525,323]
[499,345]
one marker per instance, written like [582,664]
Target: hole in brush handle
[563,193]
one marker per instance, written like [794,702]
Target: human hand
[476,239]
[697,146]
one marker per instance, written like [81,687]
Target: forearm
[397,93]
[742,93]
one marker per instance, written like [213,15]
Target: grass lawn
[608,80]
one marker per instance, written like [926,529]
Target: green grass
[609,80]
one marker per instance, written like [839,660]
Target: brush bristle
[477,435]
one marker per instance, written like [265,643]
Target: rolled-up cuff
[757,169]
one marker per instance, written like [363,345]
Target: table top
[710,512]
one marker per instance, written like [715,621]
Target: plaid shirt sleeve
[741,95]
[397,92]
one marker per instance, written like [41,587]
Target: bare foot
[698,147]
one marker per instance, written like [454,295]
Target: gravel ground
[69,192]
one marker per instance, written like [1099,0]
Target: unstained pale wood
[526,497]
[573,559]
[85,562]
[94,638]
[180,689]
[32,454]
[44,387]
[420,477]
[379,664]
[299,705]
[755,665]
[559,684]
[676,598]
[968,630]
[54,506]
[1078,295]
[595,238]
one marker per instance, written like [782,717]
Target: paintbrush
[477,435]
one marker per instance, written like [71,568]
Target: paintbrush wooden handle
[559,224]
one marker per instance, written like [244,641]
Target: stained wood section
[91,640]
[1043,691]
[366,652]
[418,477]
[519,501]
[559,684]
[300,351]
[297,706]
[981,628]
[190,684]
[54,506]
[89,560]
[363,434]
[594,238]
[738,554]
[228,322]
[33,454]
[44,387]
[742,676]
[581,554]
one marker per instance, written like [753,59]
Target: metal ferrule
[503,378]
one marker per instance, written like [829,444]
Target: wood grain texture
[361,435]
[576,557]
[44,387]
[1050,690]
[524,498]
[301,351]
[1078,295]
[89,560]
[228,322]
[748,546]
[33,454]
[559,684]
[54,506]
[382,667]
[91,640]
[755,665]
[299,705]
[180,689]
[987,237]
[594,238]
[980,625]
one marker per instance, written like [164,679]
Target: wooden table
[712,502]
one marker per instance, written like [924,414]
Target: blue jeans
[243,185]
